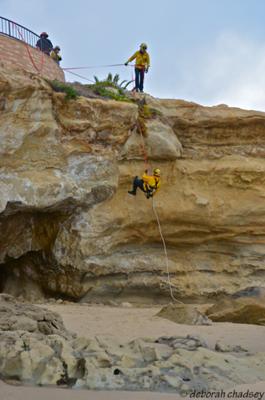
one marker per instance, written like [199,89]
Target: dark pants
[139,79]
[138,183]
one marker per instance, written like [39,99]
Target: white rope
[166,255]
[160,230]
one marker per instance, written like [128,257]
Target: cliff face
[69,228]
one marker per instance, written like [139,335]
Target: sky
[206,51]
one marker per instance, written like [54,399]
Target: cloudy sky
[207,51]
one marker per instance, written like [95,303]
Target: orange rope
[29,53]
[143,149]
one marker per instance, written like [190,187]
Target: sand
[8,392]
[128,323]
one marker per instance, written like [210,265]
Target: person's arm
[146,178]
[157,188]
[148,181]
[148,60]
[147,66]
[50,44]
[132,58]
[38,45]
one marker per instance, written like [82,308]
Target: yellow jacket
[142,59]
[151,182]
[55,56]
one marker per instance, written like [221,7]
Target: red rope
[28,51]
[142,146]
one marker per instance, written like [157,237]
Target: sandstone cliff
[68,226]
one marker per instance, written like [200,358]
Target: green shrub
[113,81]
[148,112]
[103,91]
[103,87]
[70,93]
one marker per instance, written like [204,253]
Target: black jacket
[44,45]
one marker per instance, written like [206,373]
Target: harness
[151,189]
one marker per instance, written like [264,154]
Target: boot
[132,192]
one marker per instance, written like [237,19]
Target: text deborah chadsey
[222,394]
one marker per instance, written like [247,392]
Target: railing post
[9,29]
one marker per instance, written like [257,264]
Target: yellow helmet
[156,172]
[143,46]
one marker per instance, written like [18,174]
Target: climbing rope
[70,70]
[28,51]
[80,76]
[158,221]
[147,166]
[165,251]
[98,66]
[143,149]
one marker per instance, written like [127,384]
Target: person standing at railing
[55,55]
[44,44]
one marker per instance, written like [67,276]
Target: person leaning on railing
[44,44]
[55,55]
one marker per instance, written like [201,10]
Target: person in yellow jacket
[142,64]
[55,55]
[149,184]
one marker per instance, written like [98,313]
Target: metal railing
[16,31]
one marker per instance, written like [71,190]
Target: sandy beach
[31,393]
[129,323]
[125,324]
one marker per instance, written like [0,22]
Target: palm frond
[109,77]
[116,79]
[128,83]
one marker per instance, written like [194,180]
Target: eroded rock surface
[68,227]
[244,310]
[15,316]
[38,356]
[184,314]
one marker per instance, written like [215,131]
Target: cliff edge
[68,227]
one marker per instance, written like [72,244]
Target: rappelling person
[55,55]
[149,184]
[44,44]
[142,65]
